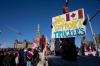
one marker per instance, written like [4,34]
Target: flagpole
[91,29]
[98,11]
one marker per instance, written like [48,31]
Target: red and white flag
[17,59]
[30,55]
[65,10]
[44,50]
[78,14]
[34,45]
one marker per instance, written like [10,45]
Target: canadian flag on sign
[78,14]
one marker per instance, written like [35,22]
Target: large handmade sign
[69,25]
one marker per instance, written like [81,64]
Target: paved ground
[81,61]
[40,63]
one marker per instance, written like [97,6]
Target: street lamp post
[89,20]
[91,29]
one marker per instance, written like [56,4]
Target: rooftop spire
[38,27]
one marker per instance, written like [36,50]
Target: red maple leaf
[73,15]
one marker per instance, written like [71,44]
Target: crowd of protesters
[19,57]
[88,50]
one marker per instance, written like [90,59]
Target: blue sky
[24,15]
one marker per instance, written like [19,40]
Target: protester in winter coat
[12,59]
[1,58]
[36,57]
[7,60]
[29,58]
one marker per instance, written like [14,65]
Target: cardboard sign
[69,25]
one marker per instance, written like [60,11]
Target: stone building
[22,44]
[28,44]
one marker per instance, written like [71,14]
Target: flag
[30,55]
[17,59]
[65,9]
[45,42]
[79,14]
[40,42]
[42,39]
[44,50]
[34,45]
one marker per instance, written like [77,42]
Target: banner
[69,25]
[34,44]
